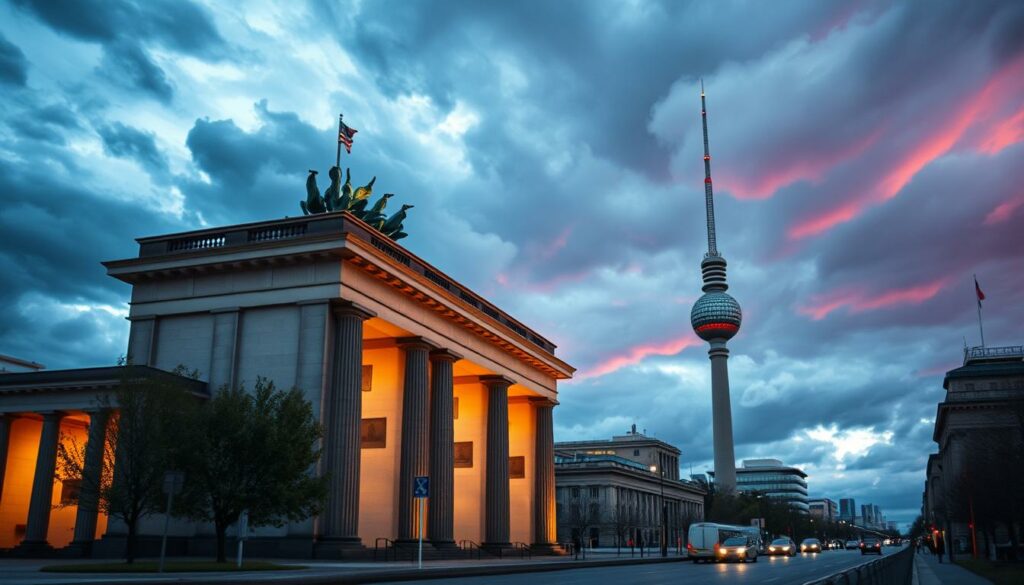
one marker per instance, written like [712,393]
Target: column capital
[342,307]
[52,415]
[415,342]
[442,354]
[496,380]
[542,401]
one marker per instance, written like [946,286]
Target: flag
[977,290]
[345,136]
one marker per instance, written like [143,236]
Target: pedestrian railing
[385,546]
[471,547]
[893,569]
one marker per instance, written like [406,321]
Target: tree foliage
[253,451]
[141,439]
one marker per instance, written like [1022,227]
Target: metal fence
[893,569]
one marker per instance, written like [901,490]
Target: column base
[444,544]
[350,547]
[78,548]
[546,549]
[34,549]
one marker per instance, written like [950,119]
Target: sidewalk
[929,572]
[26,571]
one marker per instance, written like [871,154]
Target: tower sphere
[716,315]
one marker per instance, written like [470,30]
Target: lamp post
[664,511]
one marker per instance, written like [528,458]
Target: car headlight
[741,550]
[771,548]
[785,548]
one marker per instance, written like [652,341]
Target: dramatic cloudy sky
[867,163]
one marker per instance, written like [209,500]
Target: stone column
[92,471]
[496,520]
[343,405]
[544,476]
[42,484]
[224,350]
[5,436]
[142,341]
[441,519]
[415,454]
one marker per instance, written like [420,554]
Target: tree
[252,451]
[579,515]
[623,517]
[140,440]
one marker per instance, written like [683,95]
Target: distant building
[607,493]
[772,478]
[984,397]
[824,509]
[10,365]
[867,516]
[847,509]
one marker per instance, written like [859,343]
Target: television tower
[716,319]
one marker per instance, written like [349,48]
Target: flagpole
[337,157]
[981,328]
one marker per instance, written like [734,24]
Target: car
[852,544]
[782,546]
[836,545]
[738,548]
[810,545]
[870,545]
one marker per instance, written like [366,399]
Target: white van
[705,537]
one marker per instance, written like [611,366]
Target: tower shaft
[721,416]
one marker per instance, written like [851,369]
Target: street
[768,570]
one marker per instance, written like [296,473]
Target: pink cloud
[1004,211]
[1005,85]
[858,301]
[806,166]
[1006,133]
[638,353]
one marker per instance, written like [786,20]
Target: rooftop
[165,255]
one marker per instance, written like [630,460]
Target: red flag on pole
[977,290]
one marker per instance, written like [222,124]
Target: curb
[386,575]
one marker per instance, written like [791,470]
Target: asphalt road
[768,571]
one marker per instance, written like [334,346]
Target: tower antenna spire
[709,195]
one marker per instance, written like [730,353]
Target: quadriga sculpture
[341,197]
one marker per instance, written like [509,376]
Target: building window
[969,386]
[367,383]
[517,467]
[374,433]
[595,492]
[636,452]
[464,454]
[455,408]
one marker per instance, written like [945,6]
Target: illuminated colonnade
[410,373]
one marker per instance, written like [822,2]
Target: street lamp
[664,511]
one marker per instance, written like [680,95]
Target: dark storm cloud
[177,24]
[128,65]
[128,142]
[13,65]
[50,123]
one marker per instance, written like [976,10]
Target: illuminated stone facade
[410,372]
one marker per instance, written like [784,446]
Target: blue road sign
[421,487]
